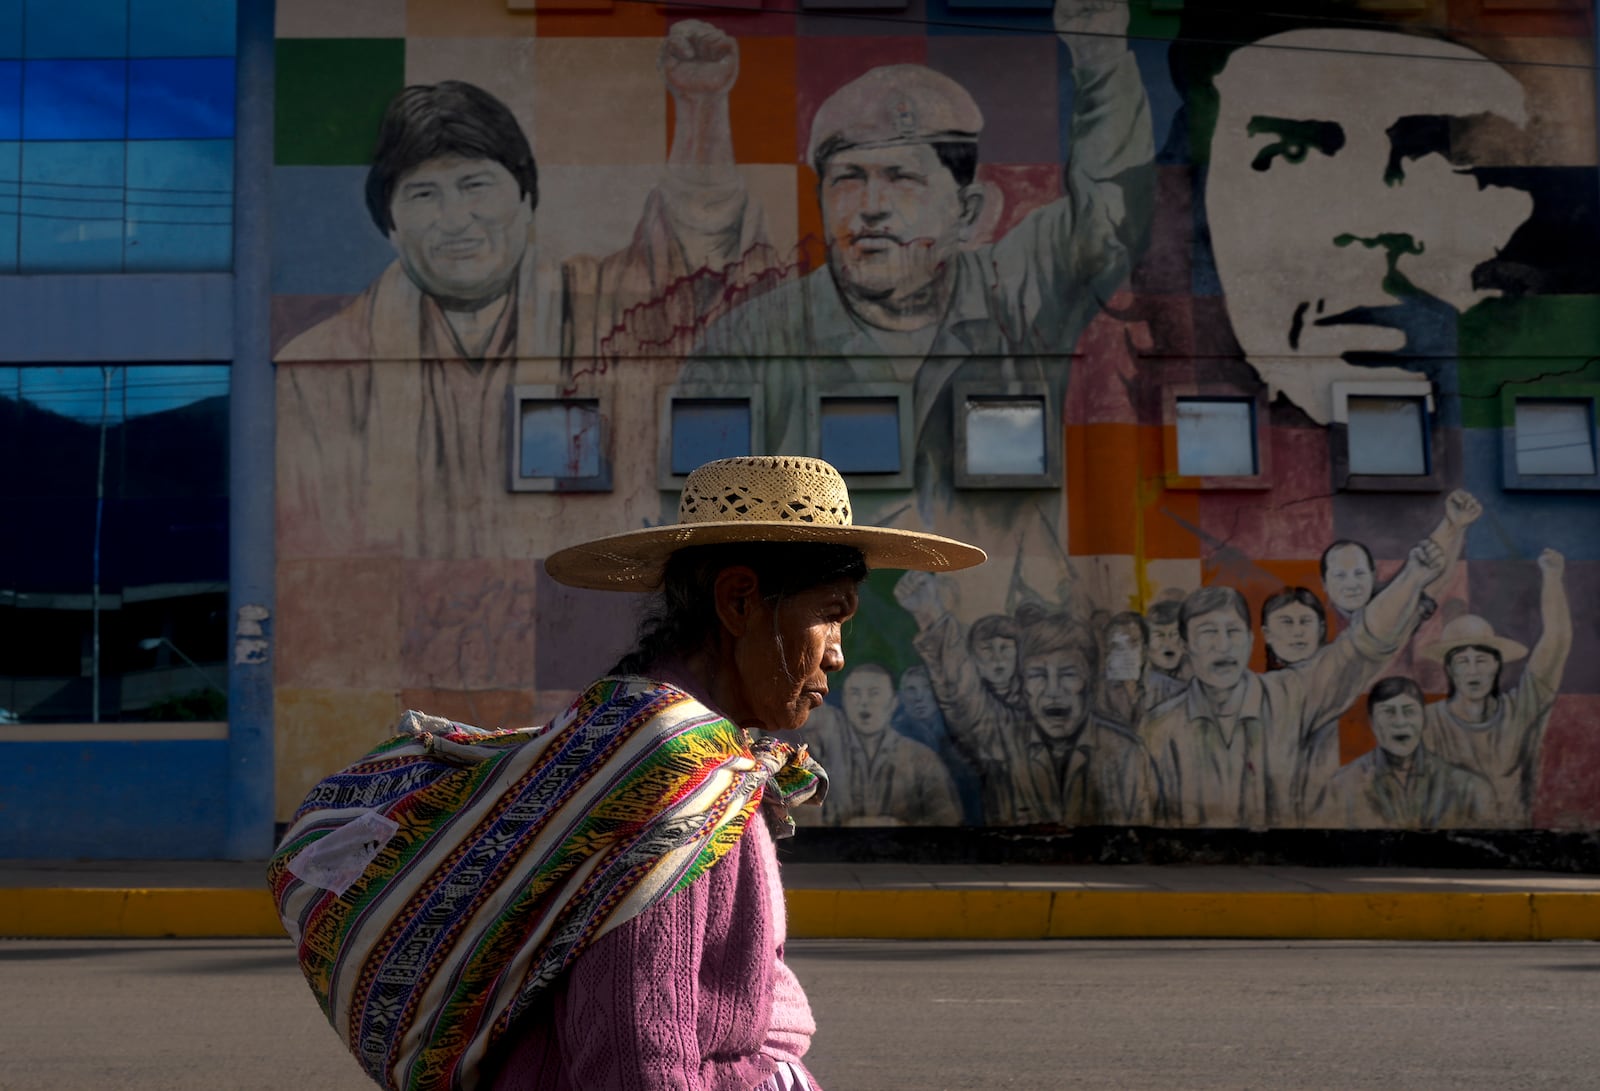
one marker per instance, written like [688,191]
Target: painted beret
[894,104]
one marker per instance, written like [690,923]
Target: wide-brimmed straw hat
[1472,630]
[759,498]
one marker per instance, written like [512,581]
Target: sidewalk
[907,901]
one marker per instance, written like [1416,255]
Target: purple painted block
[1013,79]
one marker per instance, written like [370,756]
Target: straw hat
[761,498]
[1470,629]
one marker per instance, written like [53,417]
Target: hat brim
[1510,650]
[634,561]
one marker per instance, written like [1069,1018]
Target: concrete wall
[1389,203]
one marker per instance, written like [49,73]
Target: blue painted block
[114,800]
[323,241]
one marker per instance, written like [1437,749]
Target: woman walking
[634,916]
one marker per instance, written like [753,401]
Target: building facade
[1257,350]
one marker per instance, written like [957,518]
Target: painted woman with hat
[1497,733]
[752,587]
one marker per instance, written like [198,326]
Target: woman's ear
[736,591]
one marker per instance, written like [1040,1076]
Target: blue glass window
[1005,436]
[10,29]
[1555,436]
[132,546]
[1388,436]
[125,114]
[75,28]
[179,205]
[181,28]
[72,206]
[861,435]
[1217,437]
[561,438]
[704,429]
[74,100]
[189,98]
[10,190]
[10,100]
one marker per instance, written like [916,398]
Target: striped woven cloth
[435,886]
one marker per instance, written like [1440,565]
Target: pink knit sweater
[691,995]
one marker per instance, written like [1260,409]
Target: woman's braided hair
[681,618]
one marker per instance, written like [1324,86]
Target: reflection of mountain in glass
[162,557]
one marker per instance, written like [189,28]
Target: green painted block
[331,96]
[882,630]
[1528,341]
[1154,18]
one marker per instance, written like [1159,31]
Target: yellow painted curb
[1453,915]
[137,914]
[1103,914]
[921,914]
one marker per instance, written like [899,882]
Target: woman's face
[1293,631]
[787,651]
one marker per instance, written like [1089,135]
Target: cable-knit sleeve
[629,1021]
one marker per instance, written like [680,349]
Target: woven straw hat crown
[756,498]
[782,489]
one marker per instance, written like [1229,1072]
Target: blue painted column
[252,459]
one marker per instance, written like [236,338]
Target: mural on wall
[1103,209]
[907,288]
[1348,218]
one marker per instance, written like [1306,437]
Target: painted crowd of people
[1048,716]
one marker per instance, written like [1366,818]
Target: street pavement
[141,1015]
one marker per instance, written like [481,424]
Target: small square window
[1217,437]
[1388,436]
[560,438]
[705,429]
[701,422]
[559,443]
[1008,436]
[1555,436]
[1005,435]
[863,429]
[861,435]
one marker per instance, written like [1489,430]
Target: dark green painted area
[331,96]
[1531,341]
[1154,18]
[881,631]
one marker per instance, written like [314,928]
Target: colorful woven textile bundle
[439,883]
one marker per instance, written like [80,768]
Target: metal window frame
[965,392]
[751,393]
[1260,438]
[1339,437]
[851,391]
[523,393]
[1512,478]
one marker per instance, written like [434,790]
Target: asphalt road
[174,1015]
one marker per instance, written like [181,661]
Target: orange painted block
[1355,733]
[1170,519]
[1102,489]
[761,105]
[599,19]
[763,130]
